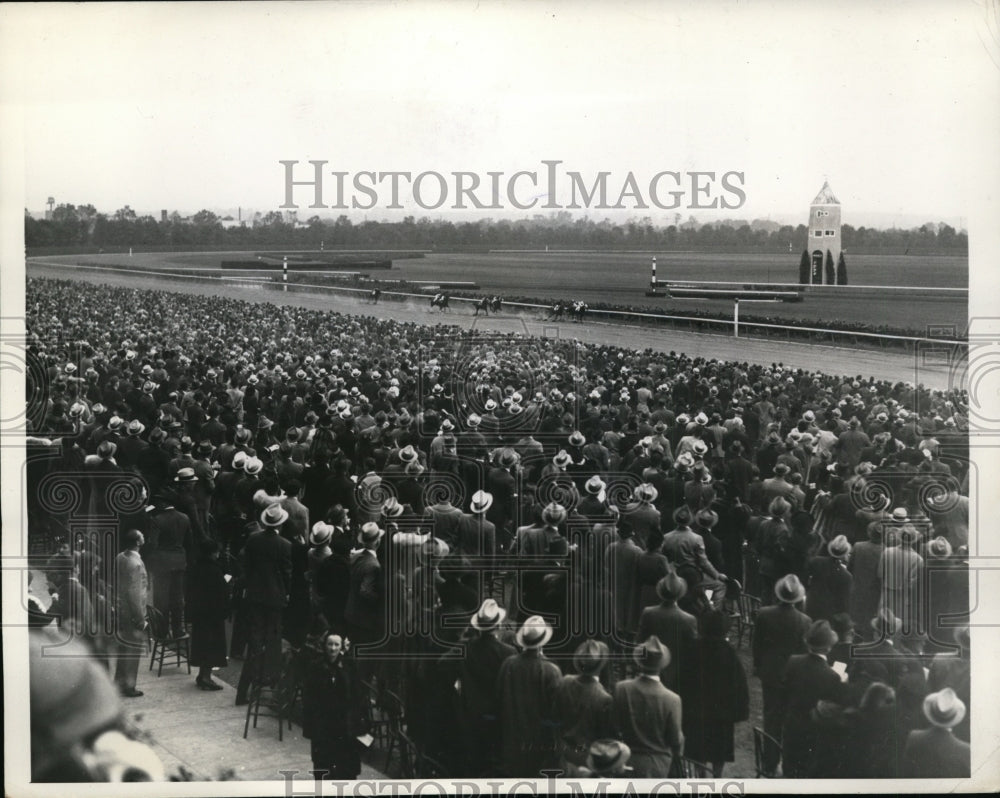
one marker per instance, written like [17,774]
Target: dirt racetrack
[934,372]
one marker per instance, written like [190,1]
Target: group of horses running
[575,310]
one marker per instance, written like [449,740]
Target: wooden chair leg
[246,725]
[152,657]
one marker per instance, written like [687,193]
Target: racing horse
[440,301]
[374,296]
[557,311]
[578,310]
[486,304]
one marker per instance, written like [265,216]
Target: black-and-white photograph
[500,397]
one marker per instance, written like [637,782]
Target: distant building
[824,234]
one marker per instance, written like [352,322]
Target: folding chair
[164,644]
[761,740]
[749,607]
[688,768]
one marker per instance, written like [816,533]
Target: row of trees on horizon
[71,226]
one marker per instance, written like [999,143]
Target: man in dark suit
[808,678]
[644,517]
[477,680]
[777,636]
[476,535]
[267,570]
[365,610]
[674,627]
[169,549]
[502,485]
[936,753]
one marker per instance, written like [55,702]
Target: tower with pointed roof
[824,235]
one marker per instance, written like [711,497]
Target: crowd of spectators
[543,548]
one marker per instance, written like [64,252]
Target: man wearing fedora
[647,714]
[828,581]
[670,624]
[476,535]
[777,636]
[644,517]
[476,683]
[130,447]
[901,571]
[364,612]
[581,706]
[621,561]
[936,752]
[267,570]
[606,759]
[501,484]
[526,686]
[807,678]
[170,546]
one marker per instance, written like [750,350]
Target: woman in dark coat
[208,608]
[333,711]
[714,692]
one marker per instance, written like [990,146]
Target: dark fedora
[590,657]
[651,656]
[820,637]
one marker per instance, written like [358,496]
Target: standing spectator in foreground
[477,680]
[267,569]
[808,678]
[526,685]
[333,711]
[131,585]
[714,692]
[668,622]
[828,590]
[364,612]
[936,752]
[582,707]
[621,562]
[208,608]
[170,547]
[778,635]
[648,715]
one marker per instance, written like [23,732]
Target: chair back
[761,739]
[158,627]
[692,769]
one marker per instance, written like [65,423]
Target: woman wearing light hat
[526,685]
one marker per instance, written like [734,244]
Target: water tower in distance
[824,236]
[51,203]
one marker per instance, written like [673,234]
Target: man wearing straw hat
[935,752]
[778,635]
[476,536]
[647,714]
[526,685]
[477,687]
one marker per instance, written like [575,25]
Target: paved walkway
[202,731]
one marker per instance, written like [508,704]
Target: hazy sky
[188,106]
